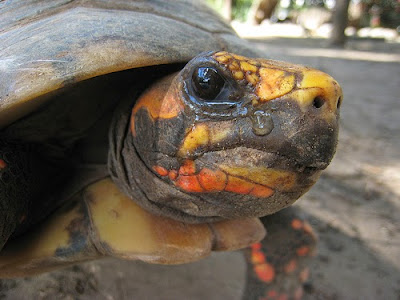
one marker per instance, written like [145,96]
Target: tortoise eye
[207,83]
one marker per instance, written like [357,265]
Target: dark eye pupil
[207,83]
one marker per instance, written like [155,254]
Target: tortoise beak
[301,125]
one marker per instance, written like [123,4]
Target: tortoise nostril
[339,102]
[318,102]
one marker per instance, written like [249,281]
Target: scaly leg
[277,267]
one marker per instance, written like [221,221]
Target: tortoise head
[227,137]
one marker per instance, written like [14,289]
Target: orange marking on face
[161,100]
[265,272]
[188,168]
[297,224]
[303,251]
[256,246]
[211,180]
[171,106]
[257,257]
[261,191]
[160,170]
[304,274]
[3,164]
[173,174]
[189,184]
[239,186]
[290,266]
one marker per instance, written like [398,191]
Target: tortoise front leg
[101,221]
[277,267]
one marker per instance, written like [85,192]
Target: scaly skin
[256,156]
[258,143]
[277,267]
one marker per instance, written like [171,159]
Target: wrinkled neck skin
[133,176]
[247,150]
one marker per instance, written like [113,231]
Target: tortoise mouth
[261,176]
[209,170]
[233,183]
[254,157]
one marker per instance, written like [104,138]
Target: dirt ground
[355,207]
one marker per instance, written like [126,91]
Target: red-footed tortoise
[130,129]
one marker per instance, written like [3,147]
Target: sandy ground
[355,207]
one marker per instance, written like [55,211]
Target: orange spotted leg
[277,267]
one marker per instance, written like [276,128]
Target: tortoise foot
[278,266]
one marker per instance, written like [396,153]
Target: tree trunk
[340,20]
[260,10]
[227,10]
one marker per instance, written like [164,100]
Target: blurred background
[332,19]
[354,207]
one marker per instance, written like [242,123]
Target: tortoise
[137,130]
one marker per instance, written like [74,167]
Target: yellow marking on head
[246,67]
[328,87]
[275,79]
[274,83]
[239,66]
[219,131]
[254,62]
[223,58]
[238,75]
[304,97]
[239,57]
[222,53]
[252,78]
[315,78]
[197,136]
[276,179]
[234,66]
[313,85]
